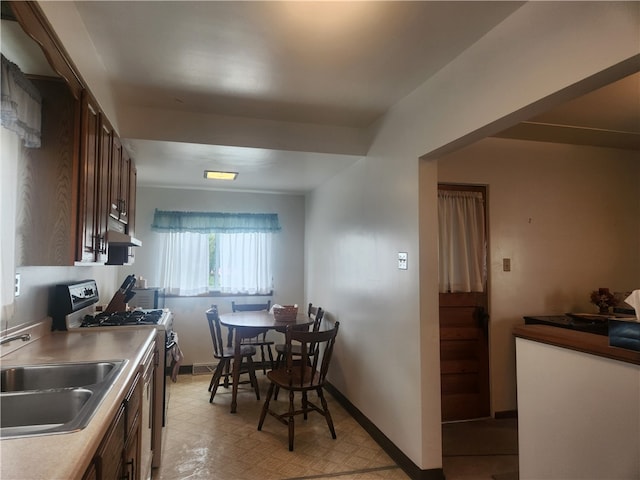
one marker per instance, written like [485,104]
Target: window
[228,253]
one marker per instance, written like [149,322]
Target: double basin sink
[53,398]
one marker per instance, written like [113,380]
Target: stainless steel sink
[61,375]
[55,398]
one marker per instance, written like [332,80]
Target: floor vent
[202,369]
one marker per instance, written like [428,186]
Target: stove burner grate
[131,318]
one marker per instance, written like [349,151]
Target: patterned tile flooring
[203,441]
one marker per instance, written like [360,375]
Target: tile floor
[484,449]
[205,441]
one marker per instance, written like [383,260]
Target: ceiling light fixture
[215,175]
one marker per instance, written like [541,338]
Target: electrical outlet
[402,260]
[506,264]
[17,285]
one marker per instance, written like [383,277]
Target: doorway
[463,307]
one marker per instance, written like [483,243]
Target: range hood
[119,239]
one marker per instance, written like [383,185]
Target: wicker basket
[287,313]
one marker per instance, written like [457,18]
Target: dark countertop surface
[581,322]
[576,340]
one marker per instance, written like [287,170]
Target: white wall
[288,275]
[37,283]
[567,216]
[357,222]
[588,428]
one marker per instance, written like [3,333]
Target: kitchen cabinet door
[102,213]
[109,457]
[46,183]
[115,173]
[131,211]
[88,243]
[119,196]
[91,473]
[95,163]
[125,172]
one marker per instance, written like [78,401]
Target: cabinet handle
[97,244]
[130,473]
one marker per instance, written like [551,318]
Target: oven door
[173,360]
[173,355]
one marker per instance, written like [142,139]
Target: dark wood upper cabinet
[88,243]
[82,179]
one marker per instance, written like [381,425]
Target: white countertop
[67,456]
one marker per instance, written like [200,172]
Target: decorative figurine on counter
[604,299]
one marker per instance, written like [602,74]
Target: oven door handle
[171,341]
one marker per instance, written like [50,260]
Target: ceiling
[295,87]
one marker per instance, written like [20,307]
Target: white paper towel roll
[634,301]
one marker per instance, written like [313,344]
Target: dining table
[244,323]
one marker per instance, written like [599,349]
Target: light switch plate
[506,264]
[402,260]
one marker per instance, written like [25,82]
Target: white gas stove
[73,308]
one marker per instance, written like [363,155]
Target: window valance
[21,105]
[214,222]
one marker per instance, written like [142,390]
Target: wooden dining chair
[225,354]
[260,340]
[315,313]
[302,373]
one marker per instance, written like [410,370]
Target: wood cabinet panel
[109,457]
[35,23]
[115,198]
[125,172]
[131,465]
[47,188]
[106,151]
[91,473]
[120,454]
[120,184]
[133,182]
[132,403]
[88,242]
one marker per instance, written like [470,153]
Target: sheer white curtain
[462,241]
[10,151]
[21,106]
[185,269]
[245,262]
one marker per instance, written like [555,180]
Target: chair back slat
[250,307]
[215,330]
[316,349]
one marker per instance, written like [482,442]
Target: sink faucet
[24,337]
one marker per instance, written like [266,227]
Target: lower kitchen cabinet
[91,473]
[119,453]
[147,417]
[125,451]
[131,467]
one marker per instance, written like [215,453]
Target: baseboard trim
[506,414]
[411,469]
[188,369]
